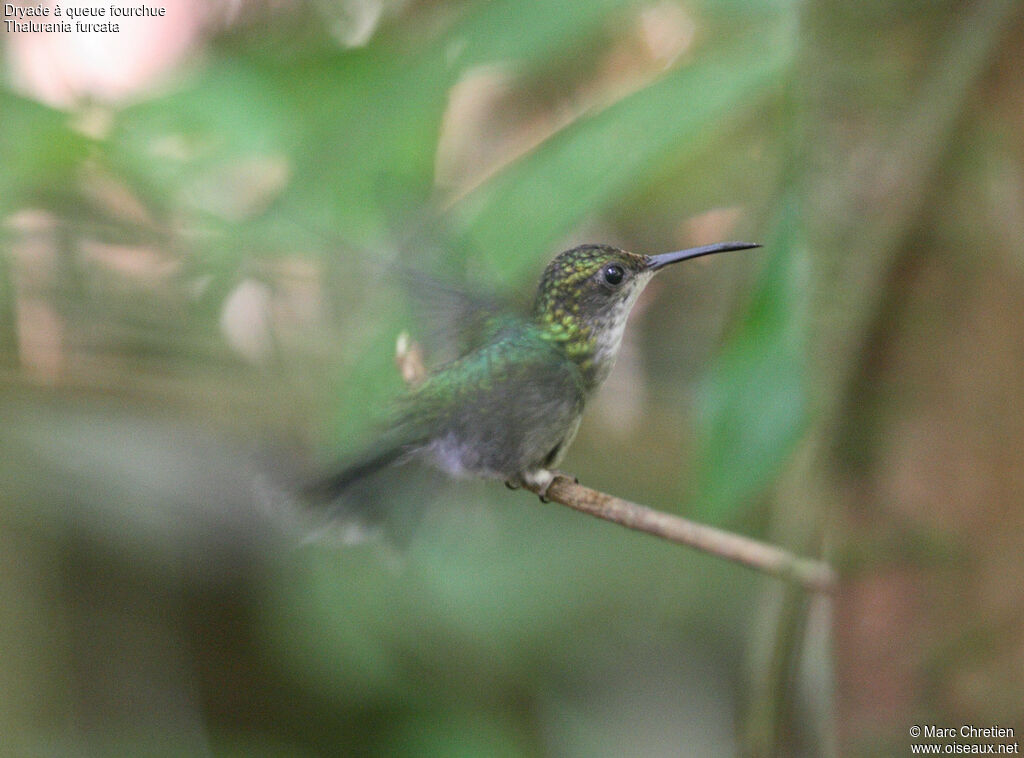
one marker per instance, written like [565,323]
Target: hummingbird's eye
[613,275]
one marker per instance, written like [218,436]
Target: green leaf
[42,154]
[372,151]
[500,31]
[753,403]
[597,160]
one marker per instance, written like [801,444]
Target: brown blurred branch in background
[769,559]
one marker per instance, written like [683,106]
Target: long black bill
[660,261]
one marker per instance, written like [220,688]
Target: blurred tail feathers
[355,504]
[331,487]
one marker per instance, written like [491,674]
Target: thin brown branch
[769,559]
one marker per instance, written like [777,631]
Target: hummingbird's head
[586,294]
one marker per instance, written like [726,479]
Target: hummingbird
[510,407]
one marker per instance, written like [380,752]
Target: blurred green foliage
[197,290]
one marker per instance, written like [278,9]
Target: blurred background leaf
[754,400]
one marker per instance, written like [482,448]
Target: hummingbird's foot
[555,474]
[538,481]
[541,479]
